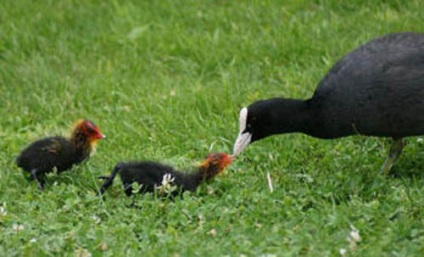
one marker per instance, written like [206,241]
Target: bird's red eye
[90,127]
[213,157]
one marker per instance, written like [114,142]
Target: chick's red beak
[227,160]
[98,136]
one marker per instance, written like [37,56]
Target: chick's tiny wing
[53,146]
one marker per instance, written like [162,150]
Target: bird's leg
[39,181]
[108,182]
[128,189]
[394,153]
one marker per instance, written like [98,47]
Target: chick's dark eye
[89,127]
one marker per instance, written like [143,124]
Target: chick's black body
[58,153]
[151,174]
[51,153]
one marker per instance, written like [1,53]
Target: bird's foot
[40,182]
[394,153]
[40,186]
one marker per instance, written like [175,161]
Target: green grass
[165,80]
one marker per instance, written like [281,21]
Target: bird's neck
[309,119]
[81,143]
[203,174]
[209,172]
[317,120]
[294,116]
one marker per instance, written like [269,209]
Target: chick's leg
[108,182]
[40,181]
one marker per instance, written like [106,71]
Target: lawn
[165,80]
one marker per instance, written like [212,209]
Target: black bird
[156,176]
[59,153]
[375,90]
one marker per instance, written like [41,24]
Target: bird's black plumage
[150,174]
[58,153]
[375,90]
[51,153]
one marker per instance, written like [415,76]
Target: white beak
[242,141]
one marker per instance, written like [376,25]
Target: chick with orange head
[59,153]
[156,176]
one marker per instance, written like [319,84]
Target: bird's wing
[376,62]
[53,146]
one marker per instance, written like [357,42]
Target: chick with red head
[59,153]
[156,176]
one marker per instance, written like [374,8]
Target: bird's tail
[109,179]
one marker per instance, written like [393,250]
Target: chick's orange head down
[217,159]
[89,129]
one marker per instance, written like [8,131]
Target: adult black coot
[375,90]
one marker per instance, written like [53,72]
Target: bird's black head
[265,118]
